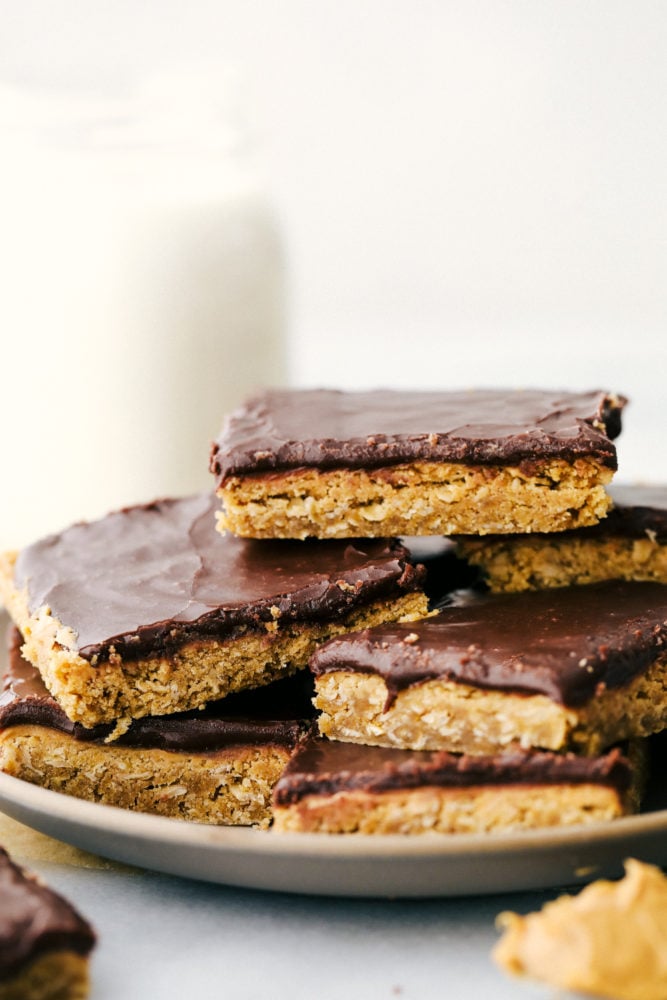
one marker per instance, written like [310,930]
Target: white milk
[141,298]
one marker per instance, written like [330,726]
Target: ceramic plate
[352,865]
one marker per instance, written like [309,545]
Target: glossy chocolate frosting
[320,767]
[150,578]
[274,714]
[35,920]
[325,428]
[567,644]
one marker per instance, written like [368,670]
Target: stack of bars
[158,656]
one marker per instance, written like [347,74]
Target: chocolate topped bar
[153,577]
[567,644]
[327,464]
[322,767]
[35,921]
[344,788]
[326,428]
[151,611]
[275,714]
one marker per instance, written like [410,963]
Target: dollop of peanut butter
[609,941]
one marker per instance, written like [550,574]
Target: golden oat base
[530,563]
[484,809]
[421,498]
[231,786]
[190,677]
[444,715]
[56,975]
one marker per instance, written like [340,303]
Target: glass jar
[143,296]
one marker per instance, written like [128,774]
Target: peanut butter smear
[609,941]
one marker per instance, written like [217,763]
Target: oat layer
[533,563]
[231,786]
[459,810]
[420,498]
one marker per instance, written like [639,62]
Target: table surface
[166,937]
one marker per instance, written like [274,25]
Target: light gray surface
[163,937]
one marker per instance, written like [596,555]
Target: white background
[470,192]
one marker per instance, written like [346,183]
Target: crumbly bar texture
[231,786]
[44,943]
[416,498]
[190,676]
[450,810]
[537,562]
[60,975]
[446,715]
[609,941]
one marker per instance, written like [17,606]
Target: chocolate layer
[34,920]
[324,428]
[150,578]
[320,767]
[275,714]
[567,644]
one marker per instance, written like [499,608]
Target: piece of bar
[44,943]
[329,464]
[150,610]
[345,788]
[630,544]
[215,765]
[578,668]
[609,941]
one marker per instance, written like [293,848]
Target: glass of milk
[143,296]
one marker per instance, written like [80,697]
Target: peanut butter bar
[578,668]
[328,464]
[150,610]
[345,788]
[44,943]
[216,765]
[630,544]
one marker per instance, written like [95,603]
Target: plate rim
[145,827]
